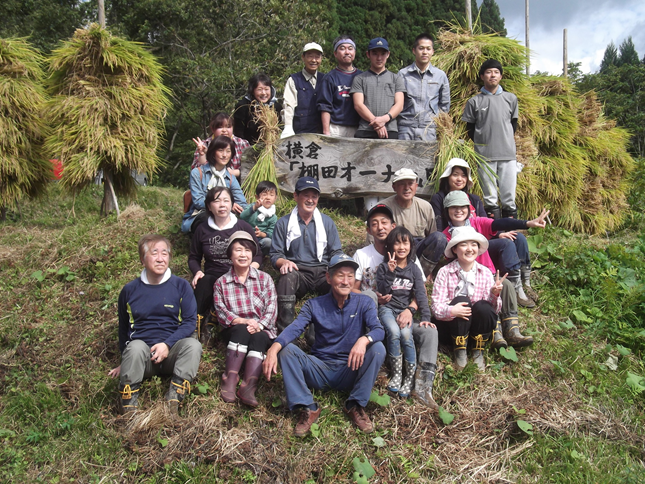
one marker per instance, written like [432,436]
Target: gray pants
[506,180]
[426,339]
[509,301]
[182,361]
[425,133]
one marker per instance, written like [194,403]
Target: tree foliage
[106,109]
[628,54]
[610,57]
[491,18]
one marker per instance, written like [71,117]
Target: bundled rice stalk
[264,168]
[106,111]
[24,168]
[575,161]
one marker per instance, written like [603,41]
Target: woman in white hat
[465,297]
[247,308]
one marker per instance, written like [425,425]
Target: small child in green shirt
[261,215]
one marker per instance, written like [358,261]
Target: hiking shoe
[306,418]
[359,418]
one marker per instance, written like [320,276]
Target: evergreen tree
[610,58]
[491,18]
[628,54]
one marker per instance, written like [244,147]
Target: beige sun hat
[458,162]
[404,174]
[242,234]
[464,234]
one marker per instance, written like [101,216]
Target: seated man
[380,222]
[346,355]
[303,243]
[157,316]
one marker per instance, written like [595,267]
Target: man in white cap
[416,215]
[301,95]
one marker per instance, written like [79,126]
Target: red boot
[252,372]
[235,355]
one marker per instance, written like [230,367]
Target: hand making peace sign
[391,264]
[201,146]
[539,222]
[496,290]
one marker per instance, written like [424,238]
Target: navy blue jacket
[306,118]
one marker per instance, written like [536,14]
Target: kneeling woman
[247,308]
[465,297]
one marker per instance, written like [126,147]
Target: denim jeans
[397,339]
[301,371]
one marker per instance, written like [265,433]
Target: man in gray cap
[416,215]
[301,94]
[346,355]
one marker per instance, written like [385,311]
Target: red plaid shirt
[445,286]
[236,161]
[255,299]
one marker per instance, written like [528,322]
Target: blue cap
[307,182]
[378,43]
[342,260]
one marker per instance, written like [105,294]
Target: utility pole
[102,13]
[526,43]
[565,55]
[469,16]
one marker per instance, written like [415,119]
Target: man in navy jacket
[346,355]
[157,316]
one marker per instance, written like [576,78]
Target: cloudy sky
[590,24]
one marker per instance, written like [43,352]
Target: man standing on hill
[157,316]
[337,113]
[303,243]
[301,94]
[416,215]
[491,117]
[427,93]
[346,355]
[378,95]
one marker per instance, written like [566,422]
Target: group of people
[366,304]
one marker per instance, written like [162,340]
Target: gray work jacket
[425,95]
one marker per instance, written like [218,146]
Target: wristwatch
[369,338]
[411,309]
[391,118]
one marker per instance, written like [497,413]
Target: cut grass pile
[61,277]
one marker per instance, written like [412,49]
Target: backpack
[188,197]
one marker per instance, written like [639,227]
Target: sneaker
[359,418]
[305,419]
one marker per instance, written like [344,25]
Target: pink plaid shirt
[445,286]
[255,299]
[236,161]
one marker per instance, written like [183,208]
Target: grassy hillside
[579,387]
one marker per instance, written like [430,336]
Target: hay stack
[576,161]
[24,170]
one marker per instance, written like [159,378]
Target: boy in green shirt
[261,215]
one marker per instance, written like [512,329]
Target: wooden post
[526,23]
[469,16]
[102,13]
[565,55]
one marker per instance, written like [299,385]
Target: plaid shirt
[445,286]
[236,162]
[255,299]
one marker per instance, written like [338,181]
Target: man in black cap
[303,243]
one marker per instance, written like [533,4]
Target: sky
[591,25]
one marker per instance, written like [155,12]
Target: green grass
[61,276]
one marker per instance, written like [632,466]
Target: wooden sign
[349,167]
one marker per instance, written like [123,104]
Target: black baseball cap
[380,208]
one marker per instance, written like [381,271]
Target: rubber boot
[423,381]
[509,213]
[522,299]
[129,400]
[512,334]
[310,335]
[498,337]
[478,350]
[397,374]
[408,381]
[178,390]
[286,311]
[235,355]
[525,271]
[427,265]
[252,372]
[493,212]
[460,356]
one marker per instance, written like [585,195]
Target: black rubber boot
[423,382]
[478,350]
[512,333]
[509,213]
[498,337]
[179,389]
[286,312]
[494,212]
[459,352]
[129,400]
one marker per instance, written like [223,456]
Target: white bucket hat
[464,234]
[458,162]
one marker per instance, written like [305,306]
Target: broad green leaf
[635,382]
[63,270]
[521,411]
[508,353]
[587,374]
[39,276]
[623,351]
[382,400]
[445,416]
[276,402]
[576,455]
[315,430]
[378,441]
[162,442]
[534,241]
[568,324]
[525,427]
[641,334]
[581,317]
[363,470]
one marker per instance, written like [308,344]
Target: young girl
[457,214]
[465,297]
[399,277]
